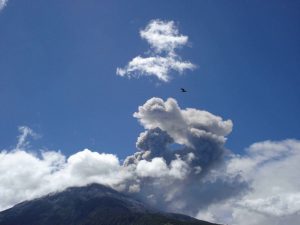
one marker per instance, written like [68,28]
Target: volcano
[94,204]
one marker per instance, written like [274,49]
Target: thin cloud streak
[3,4]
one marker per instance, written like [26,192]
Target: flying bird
[183,90]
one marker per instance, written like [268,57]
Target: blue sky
[58,63]
[64,69]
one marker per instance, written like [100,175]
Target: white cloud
[157,167]
[26,176]
[22,139]
[164,38]
[3,3]
[155,65]
[183,125]
[274,195]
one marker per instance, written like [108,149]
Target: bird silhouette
[183,90]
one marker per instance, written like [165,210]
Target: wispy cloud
[270,168]
[22,139]
[3,3]
[164,38]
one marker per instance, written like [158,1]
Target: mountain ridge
[93,204]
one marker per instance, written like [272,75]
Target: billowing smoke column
[200,132]
[188,182]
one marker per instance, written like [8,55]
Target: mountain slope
[91,205]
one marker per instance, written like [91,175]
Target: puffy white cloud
[164,38]
[23,176]
[26,176]
[3,3]
[183,125]
[157,167]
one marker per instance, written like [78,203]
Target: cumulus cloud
[158,167]
[182,124]
[25,175]
[199,177]
[163,38]
[3,3]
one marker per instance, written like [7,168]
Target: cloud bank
[199,176]
[163,38]
[274,196]
[3,3]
